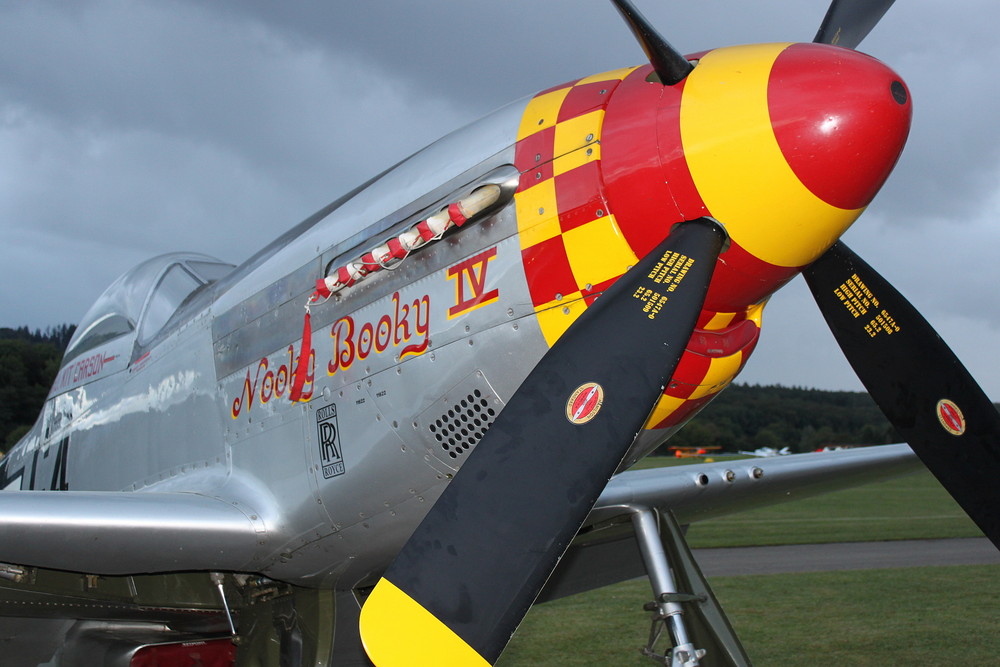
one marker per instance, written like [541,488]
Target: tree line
[741,417]
[29,361]
[745,417]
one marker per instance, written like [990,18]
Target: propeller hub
[784,144]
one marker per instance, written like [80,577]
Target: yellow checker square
[577,158]
[578,132]
[721,372]
[597,251]
[537,214]
[613,75]
[542,112]
[556,316]
[720,321]
[665,407]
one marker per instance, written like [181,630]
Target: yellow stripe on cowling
[396,630]
[737,164]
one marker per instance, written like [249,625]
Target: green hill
[752,416]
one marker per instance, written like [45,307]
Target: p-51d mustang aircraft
[391,431]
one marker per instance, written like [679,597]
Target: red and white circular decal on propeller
[584,403]
[951,417]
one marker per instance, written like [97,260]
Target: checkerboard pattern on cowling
[717,351]
[572,247]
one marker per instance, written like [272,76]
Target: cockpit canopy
[142,299]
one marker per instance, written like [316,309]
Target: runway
[740,561]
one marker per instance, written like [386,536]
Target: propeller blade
[917,381]
[670,65]
[463,582]
[848,22]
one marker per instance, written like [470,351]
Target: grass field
[911,507]
[912,616]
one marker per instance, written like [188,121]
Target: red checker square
[555,88]
[590,295]
[579,195]
[684,411]
[689,373]
[704,317]
[585,97]
[547,271]
[533,177]
[535,149]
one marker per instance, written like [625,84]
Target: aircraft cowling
[784,144]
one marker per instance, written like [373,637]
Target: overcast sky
[130,129]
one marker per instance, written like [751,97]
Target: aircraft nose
[840,118]
[787,143]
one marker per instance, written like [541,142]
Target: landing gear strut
[685,610]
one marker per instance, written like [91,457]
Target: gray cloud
[128,129]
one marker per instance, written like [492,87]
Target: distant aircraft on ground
[391,431]
[688,452]
[766,452]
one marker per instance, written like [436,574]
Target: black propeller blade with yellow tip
[462,583]
[917,381]
[464,580]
